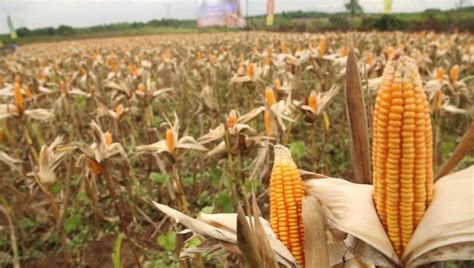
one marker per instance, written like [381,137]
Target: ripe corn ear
[454,73]
[170,142]
[402,151]
[439,74]
[286,193]
[232,119]
[323,45]
[19,100]
[270,99]
[108,138]
[313,101]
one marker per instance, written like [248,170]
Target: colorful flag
[11,27]
[387,6]
[219,13]
[270,10]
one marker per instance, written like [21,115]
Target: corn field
[109,146]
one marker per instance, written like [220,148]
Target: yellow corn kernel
[267,123]
[438,100]
[286,193]
[108,138]
[402,151]
[369,58]
[250,70]
[344,52]
[232,119]
[313,101]
[19,100]
[170,142]
[270,96]
[454,73]
[277,84]
[323,45]
[119,110]
[141,88]
[439,74]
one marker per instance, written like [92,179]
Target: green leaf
[72,223]
[216,175]
[207,210]
[224,201]
[158,177]
[56,187]
[194,242]
[117,251]
[168,241]
[298,150]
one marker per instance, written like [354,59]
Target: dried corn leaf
[223,227]
[350,208]
[447,227]
[449,220]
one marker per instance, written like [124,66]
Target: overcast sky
[81,13]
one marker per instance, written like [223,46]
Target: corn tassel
[402,151]
[286,193]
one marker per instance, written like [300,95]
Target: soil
[97,254]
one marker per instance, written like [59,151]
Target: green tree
[353,7]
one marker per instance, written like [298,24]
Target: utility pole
[247,18]
[167,9]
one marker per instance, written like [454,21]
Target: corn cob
[439,74]
[108,138]
[19,100]
[402,151]
[270,96]
[286,193]
[277,84]
[313,101]
[323,45]
[250,70]
[438,100]
[170,142]
[270,99]
[119,110]
[454,73]
[232,119]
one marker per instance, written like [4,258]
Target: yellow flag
[11,28]
[387,6]
[270,10]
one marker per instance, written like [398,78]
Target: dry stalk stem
[13,241]
[113,196]
[358,127]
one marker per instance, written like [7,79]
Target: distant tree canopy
[461,19]
[353,7]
